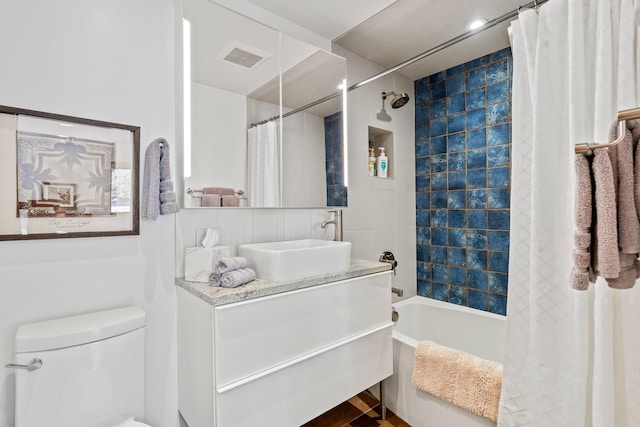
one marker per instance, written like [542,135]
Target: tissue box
[199,262]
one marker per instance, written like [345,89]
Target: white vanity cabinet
[283,358]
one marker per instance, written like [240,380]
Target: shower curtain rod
[535,4]
[623,116]
[297,110]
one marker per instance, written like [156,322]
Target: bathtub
[473,331]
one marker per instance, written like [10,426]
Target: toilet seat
[132,423]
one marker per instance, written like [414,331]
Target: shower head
[398,99]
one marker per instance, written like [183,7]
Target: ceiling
[308,72]
[389,32]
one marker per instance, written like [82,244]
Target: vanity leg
[383,407]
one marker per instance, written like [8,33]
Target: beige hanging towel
[605,235]
[582,272]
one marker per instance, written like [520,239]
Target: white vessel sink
[296,259]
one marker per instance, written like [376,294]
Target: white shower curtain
[572,357]
[263,165]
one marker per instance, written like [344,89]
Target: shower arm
[383,98]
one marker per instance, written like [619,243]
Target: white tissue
[199,262]
[210,238]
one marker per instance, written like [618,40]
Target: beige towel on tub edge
[464,380]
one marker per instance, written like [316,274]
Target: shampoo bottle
[382,164]
[372,162]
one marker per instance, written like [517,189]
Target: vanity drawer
[303,389]
[259,334]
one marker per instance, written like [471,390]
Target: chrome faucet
[389,258]
[337,222]
[397,291]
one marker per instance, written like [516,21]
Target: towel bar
[192,193]
[623,116]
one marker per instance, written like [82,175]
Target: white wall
[219,135]
[304,166]
[109,60]
[381,214]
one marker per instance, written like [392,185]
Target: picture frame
[63,176]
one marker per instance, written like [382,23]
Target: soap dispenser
[382,164]
[372,162]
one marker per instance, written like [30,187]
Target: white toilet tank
[92,372]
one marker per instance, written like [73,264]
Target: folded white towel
[225,265]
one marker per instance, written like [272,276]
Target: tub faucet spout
[397,291]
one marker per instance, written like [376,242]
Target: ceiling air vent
[242,57]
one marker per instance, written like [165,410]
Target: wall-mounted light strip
[345,136]
[186,53]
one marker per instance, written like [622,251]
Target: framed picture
[60,195]
[66,176]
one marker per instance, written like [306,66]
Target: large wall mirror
[252,141]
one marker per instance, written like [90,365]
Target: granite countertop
[216,295]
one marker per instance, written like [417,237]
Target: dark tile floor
[362,410]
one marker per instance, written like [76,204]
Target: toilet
[92,372]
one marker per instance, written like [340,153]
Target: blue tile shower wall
[463,172]
[336,191]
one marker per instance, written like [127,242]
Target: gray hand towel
[237,277]
[214,279]
[233,278]
[225,265]
[157,180]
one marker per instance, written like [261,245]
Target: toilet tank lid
[76,330]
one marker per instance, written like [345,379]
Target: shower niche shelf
[383,138]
